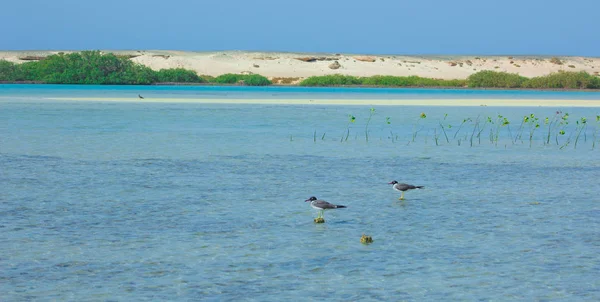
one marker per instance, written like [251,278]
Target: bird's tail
[339,207]
[419,187]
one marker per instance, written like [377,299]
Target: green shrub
[228,78]
[256,80]
[178,75]
[86,67]
[138,75]
[92,67]
[248,79]
[8,71]
[331,80]
[391,81]
[564,79]
[12,72]
[27,72]
[208,78]
[410,81]
[494,79]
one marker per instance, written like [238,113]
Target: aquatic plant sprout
[461,124]
[416,125]
[581,125]
[596,131]
[371,113]
[498,127]
[351,119]
[551,123]
[475,127]
[488,120]
[389,123]
[533,123]
[444,129]
[564,121]
[520,130]
[501,121]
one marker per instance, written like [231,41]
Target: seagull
[139,96]
[322,205]
[403,187]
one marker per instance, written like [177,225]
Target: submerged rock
[365,239]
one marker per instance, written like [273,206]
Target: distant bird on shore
[322,205]
[139,96]
[403,187]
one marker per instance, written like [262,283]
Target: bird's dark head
[312,198]
[393,182]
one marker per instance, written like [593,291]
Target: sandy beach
[363,102]
[302,65]
[293,67]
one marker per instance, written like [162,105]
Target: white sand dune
[288,65]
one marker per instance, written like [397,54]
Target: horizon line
[299,52]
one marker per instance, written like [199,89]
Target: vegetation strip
[556,130]
[94,67]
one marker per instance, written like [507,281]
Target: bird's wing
[323,204]
[400,186]
[404,187]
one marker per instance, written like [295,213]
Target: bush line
[482,79]
[94,67]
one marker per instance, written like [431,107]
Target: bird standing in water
[403,188]
[322,205]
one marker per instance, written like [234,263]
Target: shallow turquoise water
[17,91]
[130,201]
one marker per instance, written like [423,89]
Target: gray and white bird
[402,187]
[322,205]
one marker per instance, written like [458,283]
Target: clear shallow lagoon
[15,91]
[150,201]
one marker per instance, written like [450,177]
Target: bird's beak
[306,200]
[389,183]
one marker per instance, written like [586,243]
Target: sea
[179,201]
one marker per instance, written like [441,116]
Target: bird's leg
[401,196]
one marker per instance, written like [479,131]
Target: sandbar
[361,102]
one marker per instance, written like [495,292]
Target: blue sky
[467,27]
